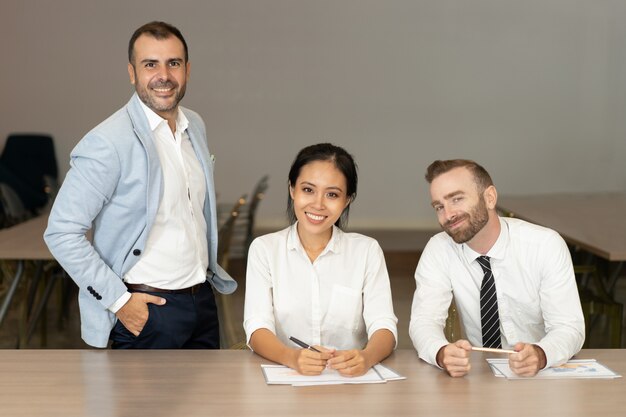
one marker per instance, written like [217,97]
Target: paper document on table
[388,374]
[575,368]
[282,375]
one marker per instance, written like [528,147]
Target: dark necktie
[489,317]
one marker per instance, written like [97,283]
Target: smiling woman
[319,199]
[317,283]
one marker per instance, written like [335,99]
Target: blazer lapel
[154,182]
[198,141]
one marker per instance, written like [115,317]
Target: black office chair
[28,183]
[28,165]
[12,211]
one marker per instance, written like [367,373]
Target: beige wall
[534,89]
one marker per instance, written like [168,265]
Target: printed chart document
[575,368]
[283,375]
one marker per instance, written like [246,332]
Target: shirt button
[136,252]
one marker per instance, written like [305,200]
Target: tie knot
[484,263]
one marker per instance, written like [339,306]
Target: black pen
[302,344]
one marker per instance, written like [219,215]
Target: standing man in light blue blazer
[142,181]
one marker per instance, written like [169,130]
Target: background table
[24,242]
[230,383]
[594,221]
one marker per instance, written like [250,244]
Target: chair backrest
[13,211]
[230,328]
[257,195]
[29,166]
[225,233]
[453,329]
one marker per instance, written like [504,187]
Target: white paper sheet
[388,374]
[575,368]
[278,374]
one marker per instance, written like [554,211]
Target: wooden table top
[24,241]
[594,221]
[230,383]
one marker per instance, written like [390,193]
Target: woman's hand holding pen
[356,362]
[351,363]
[309,362]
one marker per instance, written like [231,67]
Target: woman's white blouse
[338,301]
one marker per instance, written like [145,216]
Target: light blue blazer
[114,187]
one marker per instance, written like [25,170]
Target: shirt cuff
[436,353]
[113,308]
[552,359]
[252,325]
[387,325]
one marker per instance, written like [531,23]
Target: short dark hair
[158,30]
[481,176]
[325,152]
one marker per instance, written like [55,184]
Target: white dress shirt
[338,301]
[176,251]
[538,299]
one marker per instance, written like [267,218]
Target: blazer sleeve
[88,186]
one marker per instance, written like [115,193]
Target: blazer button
[136,252]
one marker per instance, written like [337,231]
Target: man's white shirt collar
[154,120]
[497,251]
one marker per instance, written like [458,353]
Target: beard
[153,103]
[477,219]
